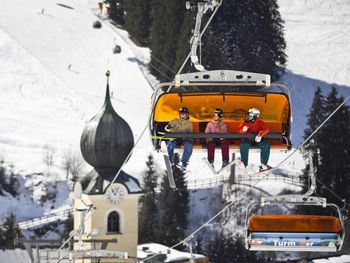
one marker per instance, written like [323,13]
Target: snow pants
[224,149]
[264,150]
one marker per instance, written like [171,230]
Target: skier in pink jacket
[216,125]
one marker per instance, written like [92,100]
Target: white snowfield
[52,81]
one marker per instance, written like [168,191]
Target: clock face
[115,193]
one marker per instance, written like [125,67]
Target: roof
[97,181]
[14,256]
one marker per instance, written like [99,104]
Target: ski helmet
[219,112]
[183,110]
[253,112]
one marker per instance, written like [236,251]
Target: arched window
[113,223]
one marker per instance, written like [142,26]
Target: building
[106,205]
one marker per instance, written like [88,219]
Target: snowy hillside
[52,65]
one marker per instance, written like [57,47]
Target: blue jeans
[264,150]
[186,154]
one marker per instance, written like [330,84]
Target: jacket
[216,127]
[258,127]
[179,126]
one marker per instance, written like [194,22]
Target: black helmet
[219,112]
[183,109]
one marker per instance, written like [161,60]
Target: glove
[245,128]
[167,128]
[258,138]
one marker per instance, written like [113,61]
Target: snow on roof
[14,256]
[172,255]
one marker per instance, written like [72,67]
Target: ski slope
[48,102]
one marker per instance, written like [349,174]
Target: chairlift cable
[161,72]
[127,158]
[163,64]
[208,221]
[332,192]
[313,133]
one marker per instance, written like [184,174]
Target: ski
[222,169]
[169,170]
[227,166]
[263,171]
[205,160]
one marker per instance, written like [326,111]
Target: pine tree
[332,143]
[137,20]
[148,215]
[183,41]
[335,168]
[229,249]
[68,226]
[10,232]
[173,208]
[167,17]
[116,11]
[248,35]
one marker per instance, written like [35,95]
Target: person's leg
[187,153]
[211,151]
[244,149]
[224,152]
[264,151]
[171,147]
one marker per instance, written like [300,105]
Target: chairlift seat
[294,233]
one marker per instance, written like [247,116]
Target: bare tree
[77,166]
[73,164]
[48,157]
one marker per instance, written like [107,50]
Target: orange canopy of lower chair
[294,223]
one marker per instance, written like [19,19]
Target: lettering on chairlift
[292,243]
[284,243]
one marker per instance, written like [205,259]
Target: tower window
[113,224]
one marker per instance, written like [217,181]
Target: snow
[317,34]
[52,71]
[341,259]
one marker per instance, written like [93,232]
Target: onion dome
[107,138]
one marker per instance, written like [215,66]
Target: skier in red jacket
[252,124]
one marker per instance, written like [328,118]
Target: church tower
[107,206]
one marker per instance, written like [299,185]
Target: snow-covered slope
[317,34]
[44,102]
[52,65]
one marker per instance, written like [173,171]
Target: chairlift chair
[313,233]
[309,233]
[235,92]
